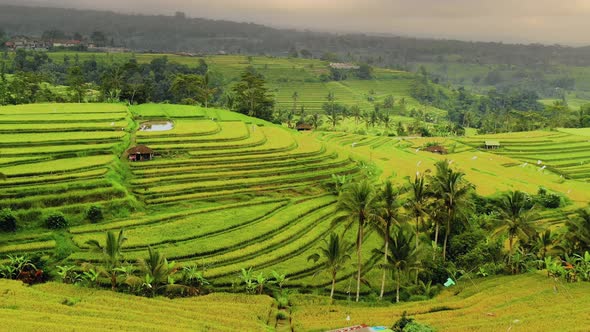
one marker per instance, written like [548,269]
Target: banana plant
[248,279]
[67,274]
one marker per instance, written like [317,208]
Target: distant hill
[179,33]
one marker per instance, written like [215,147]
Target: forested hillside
[180,33]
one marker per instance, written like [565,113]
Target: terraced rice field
[53,307]
[225,191]
[59,157]
[564,153]
[490,170]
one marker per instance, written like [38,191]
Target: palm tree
[578,232]
[336,252]
[356,112]
[333,116]
[359,203]
[544,243]
[386,119]
[290,117]
[453,191]
[315,120]
[517,216]
[418,202]
[389,207]
[403,256]
[295,97]
[205,90]
[156,266]
[112,253]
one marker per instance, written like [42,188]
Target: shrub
[407,324]
[7,221]
[94,214]
[550,201]
[56,221]
[401,323]
[281,315]
[417,327]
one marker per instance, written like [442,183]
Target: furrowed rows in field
[563,153]
[240,158]
[40,308]
[56,156]
[228,238]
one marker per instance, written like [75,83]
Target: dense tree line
[506,110]
[180,33]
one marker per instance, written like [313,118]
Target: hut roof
[141,149]
[492,143]
[436,149]
[304,126]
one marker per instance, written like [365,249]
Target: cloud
[549,21]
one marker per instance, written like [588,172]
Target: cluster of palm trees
[149,276]
[417,220]
[335,113]
[444,201]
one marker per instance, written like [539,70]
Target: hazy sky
[546,21]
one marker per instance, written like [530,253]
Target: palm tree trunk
[417,230]
[510,249]
[359,255]
[333,286]
[384,263]
[446,239]
[113,281]
[435,237]
[397,287]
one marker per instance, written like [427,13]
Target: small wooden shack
[303,127]
[140,153]
[436,149]
[492,145]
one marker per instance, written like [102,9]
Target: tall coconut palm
[403,255]
[206,92]
[517,216]
[358,201]
[388,215]
[544,243]
[418,203]
[577,238]
[336,251]
[315,120]
[453,191]
[111,252]
[355,112]
[295,97]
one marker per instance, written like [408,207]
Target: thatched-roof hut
[140,153]
[436,149]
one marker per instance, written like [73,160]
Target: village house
[140,153]
[303,127]
[492,145]
[66,43]
[436,149]
[341,65]
[27,43]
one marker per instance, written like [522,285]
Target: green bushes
[407,324]
[56,221]
[94,214]
[547,199]
[7,221]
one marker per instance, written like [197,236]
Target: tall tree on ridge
[359,203]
